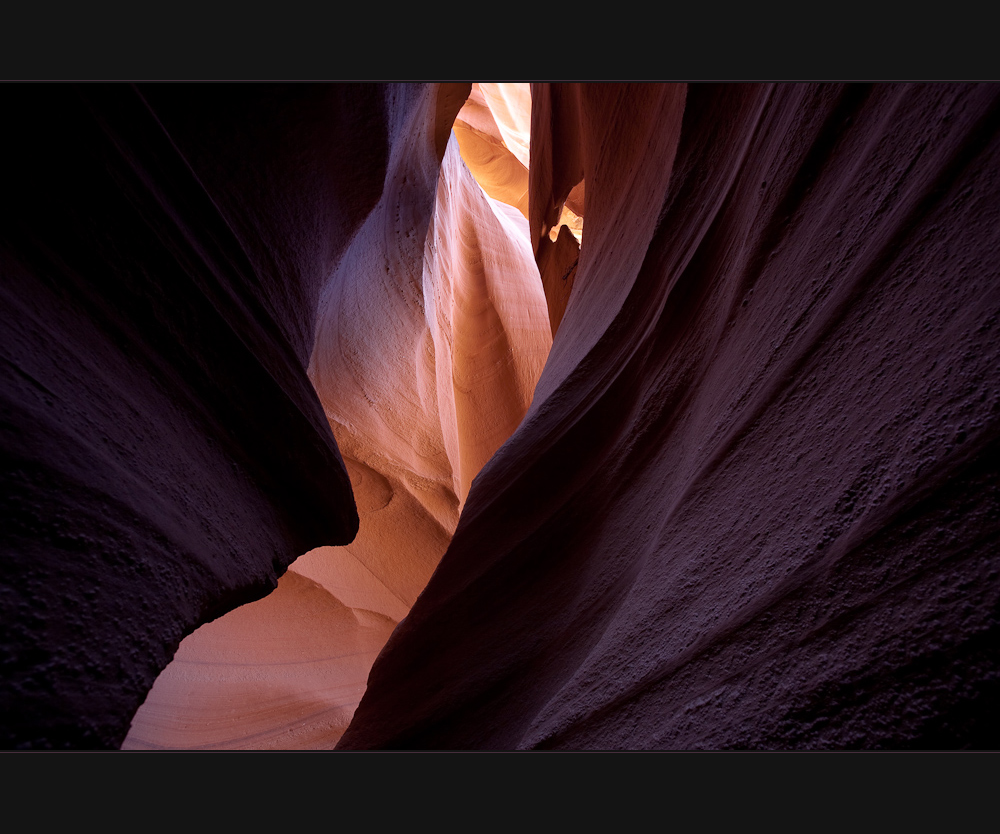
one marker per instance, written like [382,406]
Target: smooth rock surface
[431,334]
[750,499]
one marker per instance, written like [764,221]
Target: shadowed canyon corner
[500,416]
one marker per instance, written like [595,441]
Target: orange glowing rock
[493,132]
[285,672]
[430,337]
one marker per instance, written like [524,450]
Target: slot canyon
[500,416]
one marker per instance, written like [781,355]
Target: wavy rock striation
[165,456]
[755,501]
[431,334]
[750,499]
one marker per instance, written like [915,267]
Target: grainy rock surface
[165,457]
[755,501]
[431,334]
[749,499]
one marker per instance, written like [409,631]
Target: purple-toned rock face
[164,454]
[753,503]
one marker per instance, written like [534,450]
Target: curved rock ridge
[501,111]
[489,328]
[493,133]
[750,499]
[493,129]
[755,501]
[510,105]
[431,334]
[285,672]
[165,456]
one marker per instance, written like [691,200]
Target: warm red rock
[282,673]
[557,152]
[557,263]
[417,407]
[753,499]
[754,503]
[493,130]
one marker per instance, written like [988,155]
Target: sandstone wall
[754,504]
[165,455]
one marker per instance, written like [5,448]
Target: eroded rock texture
[755,501]
[165,456]
[431,334]
[750,499]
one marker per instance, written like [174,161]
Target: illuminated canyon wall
[754,503]
[431,334]
[748,500]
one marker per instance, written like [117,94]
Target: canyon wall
[431,333]
[755,501]
[748,501]
[165,456]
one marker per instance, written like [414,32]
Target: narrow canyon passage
[431,334]
[755,502]
[319,427]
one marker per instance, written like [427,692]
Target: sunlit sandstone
[752,503]
[430,337]
[755,500]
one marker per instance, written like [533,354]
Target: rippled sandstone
[754,503]
[431,333]
[751,501]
